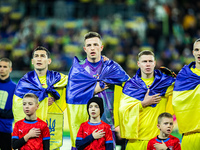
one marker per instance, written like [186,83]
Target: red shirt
[22,127]
[171,142]
[86,130]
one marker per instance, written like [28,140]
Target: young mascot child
[164,141]
[30,132]
[94,133]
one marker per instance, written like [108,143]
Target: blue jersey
[7,88]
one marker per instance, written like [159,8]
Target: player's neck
[95,120]
[95,60]
[41,72]
[163,135]
[146,76]
[197,65]
[31,117]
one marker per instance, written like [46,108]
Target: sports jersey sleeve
[81,142]
[150,145]
[109,139]
[46,137]
[16,142]
[46,133]
[177,145]
[46,144]
[15,132]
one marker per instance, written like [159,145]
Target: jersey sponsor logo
[86,133]
[96,76]
[21,130]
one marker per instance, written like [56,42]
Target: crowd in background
[167,27]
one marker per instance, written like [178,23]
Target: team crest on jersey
[51,124]
[96,76]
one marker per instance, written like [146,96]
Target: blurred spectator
[169,30]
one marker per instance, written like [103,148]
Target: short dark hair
[31,95]
[164,115]
[7,60]
[43,49]
[91,35]
[198,40]
[145,52]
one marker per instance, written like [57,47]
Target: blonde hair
[31,95]
[164,115]
[7,60]
[145,52]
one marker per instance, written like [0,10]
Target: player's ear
[37,106]
[138,63]
[158,125]
[49,61]
[84,48]
[101,47]
[10,70]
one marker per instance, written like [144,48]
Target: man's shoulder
[108,62]
[9,83]
[28,74]
[13,83]
[81,62]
